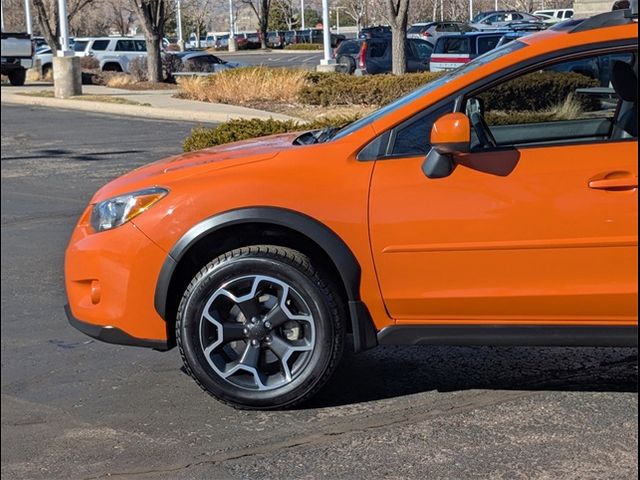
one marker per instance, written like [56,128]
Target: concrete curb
[146,111]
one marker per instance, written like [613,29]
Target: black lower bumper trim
[112,334]
[510,335]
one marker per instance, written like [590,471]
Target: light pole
[232,31]
[338,19]
[302,25]
[27,16]
[64,30]
[470,10]
[327,64]
[179,24]
[2,13]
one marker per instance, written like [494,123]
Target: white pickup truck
[17,56]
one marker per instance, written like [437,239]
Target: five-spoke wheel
[260,327]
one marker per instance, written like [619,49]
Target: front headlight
[116,211]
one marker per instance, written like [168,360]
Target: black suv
[373,56]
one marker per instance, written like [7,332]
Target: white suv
[113,53]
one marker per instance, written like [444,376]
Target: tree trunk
[50,33]
[399,51]
[154,59]
[398,12]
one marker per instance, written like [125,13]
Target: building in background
[588,8]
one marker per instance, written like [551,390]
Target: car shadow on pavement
[387,372]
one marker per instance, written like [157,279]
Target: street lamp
[67,76]
[179,24]
[327,64]
[302,25]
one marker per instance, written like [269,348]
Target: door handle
[615,184]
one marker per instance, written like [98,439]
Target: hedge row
[538,91]
[237,130]
[342,89]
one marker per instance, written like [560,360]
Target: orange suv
[497,205]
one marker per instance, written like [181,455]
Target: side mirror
[450,138]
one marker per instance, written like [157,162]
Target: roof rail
[609,19]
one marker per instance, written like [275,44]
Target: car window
[349,48]
[452,45]
[430,87]
[414,137]
[566,92]
[125,46]
[80,45]
[568,14]
[486,44]
[377,49]
[422,50]
[100,45]
[140,45]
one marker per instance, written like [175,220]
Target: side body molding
[364,332]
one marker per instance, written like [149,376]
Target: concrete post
[67,74]
[67,77]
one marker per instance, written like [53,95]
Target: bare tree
[286,12]
[261,8]
[356,10]
[48,20]
[398,17]
[152,17]
[198,13]
[121,16]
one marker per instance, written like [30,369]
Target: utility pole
[232,31]
[327,64]
[27,16]
[179,24]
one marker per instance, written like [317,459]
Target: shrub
[342,89]
[89,63]
[304,46]
[138,69]
[537,91]
[120,80]
[237,130]
[243,85]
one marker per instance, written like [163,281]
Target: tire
[17,77]
[260,328]
[346,64]
[47,70]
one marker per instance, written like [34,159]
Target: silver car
[431,31]
[504,19]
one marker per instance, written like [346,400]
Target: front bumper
[110,278]
[111,334]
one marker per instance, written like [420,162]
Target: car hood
[167,171]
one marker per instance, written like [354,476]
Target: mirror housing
[450,138]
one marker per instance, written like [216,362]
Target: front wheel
[260,328]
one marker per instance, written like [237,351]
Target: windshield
[430,87]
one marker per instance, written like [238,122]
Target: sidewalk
[161,104]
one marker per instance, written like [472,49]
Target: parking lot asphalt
[77,408]
[305,60]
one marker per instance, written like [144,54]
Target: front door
[542,229]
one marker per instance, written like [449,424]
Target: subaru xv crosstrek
[457,215]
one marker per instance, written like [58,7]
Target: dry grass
[570,109]
[33,75]
[245,85]
[121,80]
[87,98]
